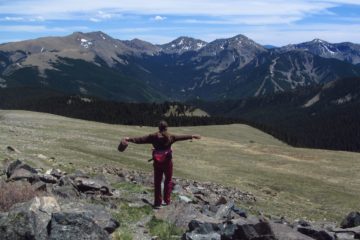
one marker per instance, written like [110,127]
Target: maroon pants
[160,169]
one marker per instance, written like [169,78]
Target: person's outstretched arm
[185,137]
[140,140]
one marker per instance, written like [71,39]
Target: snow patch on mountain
[312,101]
[83,90]
[85,43]
[344,99]
[183,44]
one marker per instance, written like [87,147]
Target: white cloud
[15,19]
[103,16]
[94,20]
[57,9]
[23,19]
[40,28]
[159,18]
[252,12]
[289,34]
[248,20]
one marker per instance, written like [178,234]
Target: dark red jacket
[160,141]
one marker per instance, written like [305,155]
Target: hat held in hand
[123,145]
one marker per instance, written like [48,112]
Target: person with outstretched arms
[162,157]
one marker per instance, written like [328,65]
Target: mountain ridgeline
[96,64]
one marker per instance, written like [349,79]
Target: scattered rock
[197,236]
[55,173]
[29,220]
[75,226]
[222,200]
[351,220]
[45,218]
[47,178]
[17,170]
[315,233]
[12,149]
[185,199]
[284,232]
[41,156]
[39,186]
[96,212]
[235,229]
[224,211]
[92,184]
[347,233]
[240,212]
[178,213]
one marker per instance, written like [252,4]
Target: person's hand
[126,139]
[196,136]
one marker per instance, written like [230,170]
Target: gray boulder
[242,229]
[179,214]
[224,211]
[68,226]
[47,178]
[351,220]
[316,233]
[261,230]
[29,220]
[18,170]
[284,232]
[39,186]
[57,173]
[197,236]
[47,218]
[96,212]
[92,184]
[65,191]
[66,188]
[347,233]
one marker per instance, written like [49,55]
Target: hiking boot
[158,207]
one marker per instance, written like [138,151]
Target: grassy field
[292,182]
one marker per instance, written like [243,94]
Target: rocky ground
[114,203]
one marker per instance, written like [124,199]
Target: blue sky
[276,22]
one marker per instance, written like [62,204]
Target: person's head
[163,126]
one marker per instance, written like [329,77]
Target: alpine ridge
[98,65]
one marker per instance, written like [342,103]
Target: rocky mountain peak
[140,46]
[183,44]
[317,40]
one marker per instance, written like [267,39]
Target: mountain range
[98,65]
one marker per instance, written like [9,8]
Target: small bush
[15,192]
[164,230]
[123,234]
[127,215]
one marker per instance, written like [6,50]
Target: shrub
[164,230]
[15,192]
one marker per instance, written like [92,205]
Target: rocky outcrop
[49,218]
[62,210]
[77,206]
[195,191]
[351,220]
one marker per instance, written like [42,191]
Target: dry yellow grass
[293,182]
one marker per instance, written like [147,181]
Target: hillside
[324,116]
[287,181]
